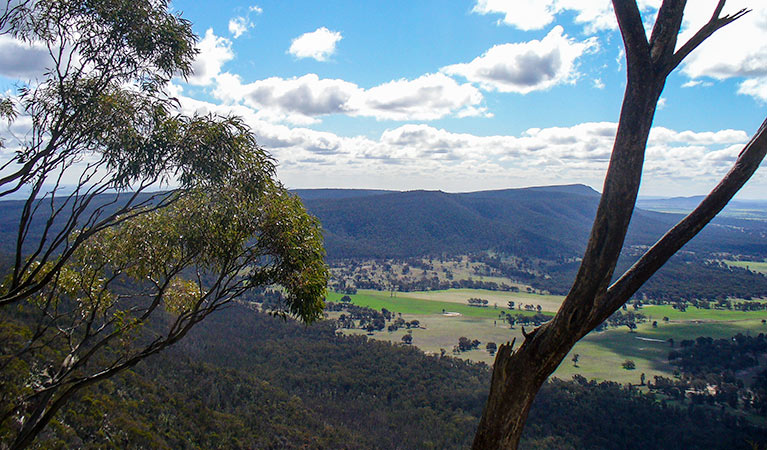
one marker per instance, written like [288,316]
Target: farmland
[600,354]
[755,266]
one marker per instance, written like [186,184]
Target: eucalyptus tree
[97,120]
[104,272]
[519,373]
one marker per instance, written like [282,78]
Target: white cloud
[666,136]
[215,51]
[418,156]
[735,51]
[319,44]
[527,66]
[427,97]
[301,100]
[238,26]
[522,14]
[594,15]
[598,83]
[619,59]
[21,60]
[297,99]
[755,87]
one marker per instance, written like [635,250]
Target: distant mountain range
[550,222]
[546,222]
[744,209]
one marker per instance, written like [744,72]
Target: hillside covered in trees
[547,222]
[247,380]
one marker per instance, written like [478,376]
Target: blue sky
[465,95]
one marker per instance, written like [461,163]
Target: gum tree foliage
[96,283]
[519,373]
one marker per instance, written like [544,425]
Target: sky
[465,95]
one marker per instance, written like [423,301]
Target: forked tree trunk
[518,374]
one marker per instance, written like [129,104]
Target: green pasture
[718,330]
[750,265]
[549,303]
[601,354]
[657,312]
[403,303]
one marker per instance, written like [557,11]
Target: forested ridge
[547,222]
[248,380]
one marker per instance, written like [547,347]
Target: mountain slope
[545,222]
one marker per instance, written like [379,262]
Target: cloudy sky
[465,95]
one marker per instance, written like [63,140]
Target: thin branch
[703,33]
[718,10]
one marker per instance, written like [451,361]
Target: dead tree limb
[518,375]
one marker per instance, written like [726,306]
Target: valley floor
[445,316]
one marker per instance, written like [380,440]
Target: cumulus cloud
[428,97]
[215,51]
[21,60]
[301,100]
[755,87]
[523,14]
[318,44]
[594,15]
[298,99]
[527,66]
[421,156]
[733,51]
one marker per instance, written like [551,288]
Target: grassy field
[410,303]
[600,354]
[750,265]
[657,312]
[549,303]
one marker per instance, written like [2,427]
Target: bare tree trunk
[518,375]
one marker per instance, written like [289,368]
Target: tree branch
[665,31]
[633,34]
[714,24]
[747,163]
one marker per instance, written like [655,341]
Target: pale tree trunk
[518,374]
